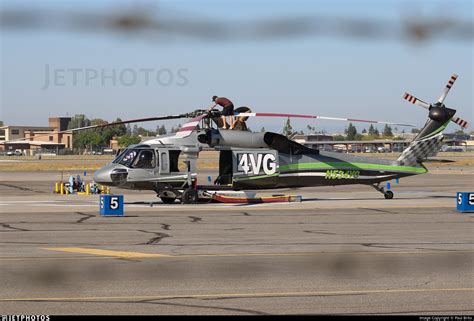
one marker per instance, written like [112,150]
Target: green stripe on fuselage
[346,165]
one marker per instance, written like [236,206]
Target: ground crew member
[228,110]
[71,184]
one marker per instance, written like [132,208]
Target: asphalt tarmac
[343,250]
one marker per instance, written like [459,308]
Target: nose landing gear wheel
[189,196]
[167,196]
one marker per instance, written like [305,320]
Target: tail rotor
[430,138]
[440,103]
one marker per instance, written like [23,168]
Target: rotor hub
[441,114]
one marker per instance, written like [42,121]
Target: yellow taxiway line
[128,254]
[122,254]
[237,295]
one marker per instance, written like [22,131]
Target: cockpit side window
[127,157]
[145,159]
[119,156]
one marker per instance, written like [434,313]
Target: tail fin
[430,139]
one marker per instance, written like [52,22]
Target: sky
[56,72]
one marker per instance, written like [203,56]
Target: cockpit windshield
[136,158]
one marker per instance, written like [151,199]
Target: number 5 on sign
[111,205]
[465,202]
[114,202]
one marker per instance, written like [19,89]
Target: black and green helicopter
[264,160]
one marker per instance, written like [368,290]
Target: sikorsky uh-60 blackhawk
[263,160]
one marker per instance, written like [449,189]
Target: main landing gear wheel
[388,195]
[168,200]
[189,196]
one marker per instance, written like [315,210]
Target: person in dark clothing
[227,110]
[239,121]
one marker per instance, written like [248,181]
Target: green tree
[262,130]
[161,130]
[79,120]
[108,133]
[145,132]
[288,129]
[371,130]
[376,133]
[351,132]
[127,140]
[98,121]
[364,131]
[387,131]
[119,130]
[311,129]
[83,139]
[88,139]
[1,123]
[97,137]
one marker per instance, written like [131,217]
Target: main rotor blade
[318,117]
[122,122]
[72,130]
[460,122]
[447,88]
[416,101]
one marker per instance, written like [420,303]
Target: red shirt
[222,101]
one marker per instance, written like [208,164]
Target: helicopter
[264,160]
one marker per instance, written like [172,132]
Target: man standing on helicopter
[228,110]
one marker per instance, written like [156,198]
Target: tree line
[350,133]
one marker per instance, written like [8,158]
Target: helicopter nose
[111,175]
[102,175]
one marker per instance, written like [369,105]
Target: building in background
[37,137]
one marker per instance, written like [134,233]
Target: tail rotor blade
[447,88]
[415,101]
[460,122]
